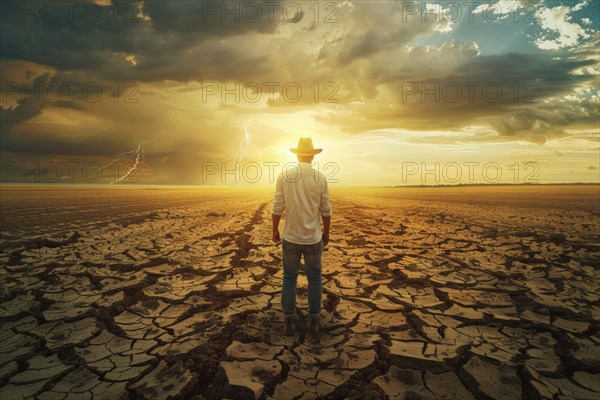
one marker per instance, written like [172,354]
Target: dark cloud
[214,19]
[27,108]
[68,43]
[362,45]
[177,40]
[509,92]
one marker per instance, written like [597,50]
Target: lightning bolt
[249,142]
[139,153]
[239,150]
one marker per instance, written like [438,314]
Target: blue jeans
[312,265]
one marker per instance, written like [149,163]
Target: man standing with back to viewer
[304,194]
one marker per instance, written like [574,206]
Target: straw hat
[305,148]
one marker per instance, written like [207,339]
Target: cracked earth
[443,293]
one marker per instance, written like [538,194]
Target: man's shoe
[314,326]
[289,328]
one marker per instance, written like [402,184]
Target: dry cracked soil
[428,293]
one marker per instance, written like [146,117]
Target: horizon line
[190,186]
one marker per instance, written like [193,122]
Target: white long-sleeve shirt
[303,192]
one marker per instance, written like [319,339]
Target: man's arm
[277,210]
[326,224]
[276,218]
[325,210]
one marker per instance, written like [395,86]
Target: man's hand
[325,238]
[276,237]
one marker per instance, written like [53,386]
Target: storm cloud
[359,67]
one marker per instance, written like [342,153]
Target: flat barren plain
[172,293]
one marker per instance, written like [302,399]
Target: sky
[207,92]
